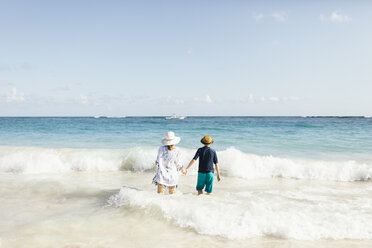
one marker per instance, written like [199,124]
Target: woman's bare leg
[161,189]
[172,189]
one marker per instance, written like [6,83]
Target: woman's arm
[179,165]
[159,155]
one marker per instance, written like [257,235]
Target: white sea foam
[237,217]
[253,166]
[30,160]
[233,162]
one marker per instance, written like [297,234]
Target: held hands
[184,171]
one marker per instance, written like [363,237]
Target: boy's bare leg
[161,189]
[172,189]
[200,192]
[209,193]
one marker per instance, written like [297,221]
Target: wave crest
[252,166]
[31,160]
[237,218]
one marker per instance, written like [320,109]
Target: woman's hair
[169,146]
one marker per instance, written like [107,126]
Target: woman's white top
[168,166]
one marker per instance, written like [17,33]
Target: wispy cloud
[278,99]
[258,16]
[173,100]
[15,67]
[84,99]
[280,16]
[60,89]
[93,100]
[322,17]
[249,99]
[14,96]
[273,99]
[6,84]
[274,43]
[335,17]
[205,99]
[291,98]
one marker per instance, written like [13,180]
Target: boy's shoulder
[213,151]
[207,148]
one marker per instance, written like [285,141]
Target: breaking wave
[33,160]
[237,217]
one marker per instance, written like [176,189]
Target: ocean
[86,182]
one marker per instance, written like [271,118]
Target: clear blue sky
[122,58]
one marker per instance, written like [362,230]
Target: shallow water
[118,209]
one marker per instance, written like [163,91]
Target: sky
[150,58]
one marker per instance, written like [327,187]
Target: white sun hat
[170,139]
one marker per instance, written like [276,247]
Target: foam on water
[31,160]
[237,217]
[252,166]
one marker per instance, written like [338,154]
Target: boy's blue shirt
[207,158]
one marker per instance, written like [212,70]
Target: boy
[207,157]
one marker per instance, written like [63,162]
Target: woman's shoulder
[161,148]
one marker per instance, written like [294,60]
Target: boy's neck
[208,145]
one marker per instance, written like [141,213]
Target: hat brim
[174,141]
[206,143]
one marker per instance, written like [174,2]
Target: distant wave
[112,117]
[31,160]
[333,116]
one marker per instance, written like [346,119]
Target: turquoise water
[333,138]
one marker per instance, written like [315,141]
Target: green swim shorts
[205,180]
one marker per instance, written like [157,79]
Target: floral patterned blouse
[168,166]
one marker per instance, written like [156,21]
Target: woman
[168,164]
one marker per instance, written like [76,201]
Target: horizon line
[149,116]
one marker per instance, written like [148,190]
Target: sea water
[86,182]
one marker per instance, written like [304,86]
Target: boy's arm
[193,160]
[218,172]
[190,164]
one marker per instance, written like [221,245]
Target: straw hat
[170,139]
[207,140]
